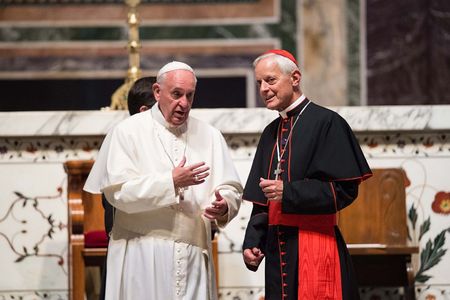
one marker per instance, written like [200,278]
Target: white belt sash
[165,223]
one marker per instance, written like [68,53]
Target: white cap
[172,66]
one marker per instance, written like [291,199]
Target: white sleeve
[233,198]
[128,190]
[143,193]
[98,174]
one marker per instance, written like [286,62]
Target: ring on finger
[196,177]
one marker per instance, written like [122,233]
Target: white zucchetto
[172,66]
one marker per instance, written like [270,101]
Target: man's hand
[218,208]
[253,256]
[189,175]
[272,189]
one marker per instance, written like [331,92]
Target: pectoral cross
[181,192]
[277,171]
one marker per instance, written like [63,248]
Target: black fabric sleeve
[346,192]
[256,233]
[109,215]
[314,197]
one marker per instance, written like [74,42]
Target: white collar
[158,116]
[296,103]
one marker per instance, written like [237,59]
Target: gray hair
[286,65]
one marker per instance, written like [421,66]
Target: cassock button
[284,295]
[282,243]
[285,284]
[283,253]
[280,232]
[283,264]
[284,274]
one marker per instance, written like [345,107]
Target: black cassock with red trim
[321,168]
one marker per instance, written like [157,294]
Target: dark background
[93,94]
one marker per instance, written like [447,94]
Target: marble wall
[351,51]
[219,39]
[408,57]
[33,210]
[324,51]
[72,40]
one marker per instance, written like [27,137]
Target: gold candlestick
[119,97]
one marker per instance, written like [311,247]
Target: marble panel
[37,37]
[407,52]
[439,54]
[74,41]
[33,231]
[324,57]
[242,121]
[38,150]
[434,292]
[85,13]
[353,37]
[396,45]
[413,137]
[427,293]
[241,293]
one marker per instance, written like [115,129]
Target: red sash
[319,274]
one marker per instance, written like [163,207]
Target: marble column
[324,51]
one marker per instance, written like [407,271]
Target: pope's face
[275,87]
[175,96]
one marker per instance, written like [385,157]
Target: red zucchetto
[284,53]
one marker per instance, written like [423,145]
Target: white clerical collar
[158,116]
[296,103]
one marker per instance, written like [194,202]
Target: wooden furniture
[375,229]
[86,215]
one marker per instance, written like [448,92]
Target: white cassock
[160,243]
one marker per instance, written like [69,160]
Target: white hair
[172,66]
[286,65]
